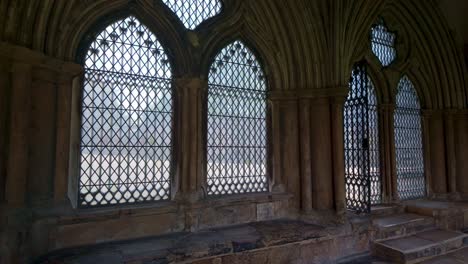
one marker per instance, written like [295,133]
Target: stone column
[437,153]
[284,147]
[5,99]
[321,155]
[66,82]
[305,152]
[17,167]
[388,153]
[461,152]
[339,181]
[450,152]
[189,143]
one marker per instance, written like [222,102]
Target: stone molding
[312,93]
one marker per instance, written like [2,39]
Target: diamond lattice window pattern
[408,143]
[383,43]
[126,123]
[361,135]
[193,12]
[237,127]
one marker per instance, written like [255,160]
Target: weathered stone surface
[420,246]
[282,241]
[393,226]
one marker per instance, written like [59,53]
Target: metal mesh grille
[193,12]
[237,127]
[126,127]
[383,43]
[362,162]
[408,143]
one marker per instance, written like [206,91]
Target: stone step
[419,247]
[447,215]
[399,225]
[457,257]
[386,209]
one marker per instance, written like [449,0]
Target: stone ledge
[208,245]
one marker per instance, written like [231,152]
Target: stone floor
[457,257]
[183,246]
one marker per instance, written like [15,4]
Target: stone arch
[158,20]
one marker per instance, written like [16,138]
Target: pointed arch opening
[361,128]
[408,142]
[236,123]
[126,118]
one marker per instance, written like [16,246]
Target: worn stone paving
[184,246]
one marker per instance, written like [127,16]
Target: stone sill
[65,214]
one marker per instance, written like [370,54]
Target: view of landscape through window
[362,159]
[126,130]
[127,120]
[408,142]
[237,128]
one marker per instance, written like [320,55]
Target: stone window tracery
[408,142]
[383,43]
[126,119]
[194,12]
[237,126]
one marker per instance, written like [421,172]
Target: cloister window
[408,142]
[383,43]
[237,126]
[362,161]
[126,122]
[193,12]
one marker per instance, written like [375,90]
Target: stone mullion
[388,153]
[189,150]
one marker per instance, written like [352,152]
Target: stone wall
[308,49]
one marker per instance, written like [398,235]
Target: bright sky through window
[237,127]
[193,12]
[126,126]
[383,43]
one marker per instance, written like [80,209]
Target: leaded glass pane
[408,143]
[126,122]
[237,127]
[383,43]
[193,12]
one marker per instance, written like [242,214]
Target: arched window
[126,122]
[193,12]
[408,142]
[237,126]
[383,43]
[362,161]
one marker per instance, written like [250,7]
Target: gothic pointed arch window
[126,120]
[236,123]
[408,142]
[383,43]
[362,159]
[194,12]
